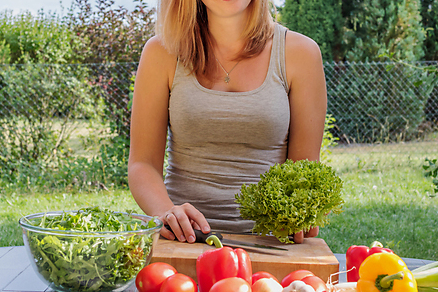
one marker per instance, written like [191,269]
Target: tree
[108,34]
[375,28]
[429,13]
[320,20]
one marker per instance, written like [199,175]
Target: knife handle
[200,236]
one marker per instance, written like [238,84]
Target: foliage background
[37,121]
[369,30]
[320,20]
[429,14]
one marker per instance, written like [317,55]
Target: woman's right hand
[149,125]
[182,220]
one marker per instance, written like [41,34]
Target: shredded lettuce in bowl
[92,249]
[291,197]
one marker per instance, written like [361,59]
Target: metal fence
[384,113]
[380,109]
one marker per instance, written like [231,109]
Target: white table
[16,274]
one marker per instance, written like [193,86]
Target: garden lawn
[387,198]
[394,206]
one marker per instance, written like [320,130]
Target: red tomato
[316,282]
[233,284]
[295,275]
[179,283]
[150,278]
[259,275]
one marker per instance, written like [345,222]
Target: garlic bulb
[298,286]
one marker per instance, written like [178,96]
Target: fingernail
[182,238]
[191,238]
[206,229]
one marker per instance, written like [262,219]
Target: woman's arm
[149,123]
[308,103]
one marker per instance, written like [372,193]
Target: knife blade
[202,237]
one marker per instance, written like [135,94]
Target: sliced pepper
[385,272]
[356,254]
[224,262]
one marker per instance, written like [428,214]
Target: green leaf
[291,197]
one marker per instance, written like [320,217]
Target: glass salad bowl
[92,249]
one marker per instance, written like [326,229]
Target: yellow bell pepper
[384,272]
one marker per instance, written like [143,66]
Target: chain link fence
[55,117]
[382,111]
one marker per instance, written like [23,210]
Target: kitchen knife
[202,237]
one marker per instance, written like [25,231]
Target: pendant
[227,79]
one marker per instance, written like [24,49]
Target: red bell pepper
[224,262]
[356,254]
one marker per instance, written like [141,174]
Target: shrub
[112,36]
[430,169]
[103,170]
[25,38]
[328,140]
[431,109]
[5,52]
[36,120]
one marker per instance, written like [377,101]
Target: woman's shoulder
[156,58]
[155,50]
[303,57]
[301,46]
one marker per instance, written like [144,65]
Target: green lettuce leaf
[291,197]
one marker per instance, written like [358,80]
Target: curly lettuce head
[291,197]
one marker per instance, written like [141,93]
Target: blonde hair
[183,28]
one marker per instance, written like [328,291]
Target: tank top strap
[278,59]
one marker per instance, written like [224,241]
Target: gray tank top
[219,141]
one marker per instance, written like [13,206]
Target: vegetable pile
[230,270]
[291,197]
[379,269]
[224,270]
[90,262]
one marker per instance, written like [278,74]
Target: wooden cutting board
[313,254]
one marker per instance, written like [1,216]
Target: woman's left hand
[312,232]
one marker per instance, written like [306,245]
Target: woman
[235,93]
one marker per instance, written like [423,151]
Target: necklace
[227,78]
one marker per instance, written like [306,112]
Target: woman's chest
[242,76]
[199,116]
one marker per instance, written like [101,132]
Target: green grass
[387,198]
[394,206]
